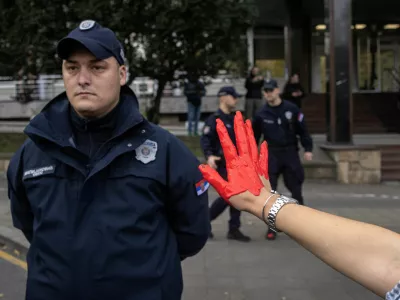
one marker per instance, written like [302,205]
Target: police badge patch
[288,115]
[147,151]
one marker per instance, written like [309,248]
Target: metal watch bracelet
[276,207]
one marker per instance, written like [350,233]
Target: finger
[213,178]
[263,160]
[266,183]
[228,147]
[252,143]
[241,135]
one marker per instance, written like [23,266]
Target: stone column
[339,67]
[298,43]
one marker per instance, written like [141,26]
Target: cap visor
[68,45]
[269,87]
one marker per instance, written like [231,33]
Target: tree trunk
[153,112]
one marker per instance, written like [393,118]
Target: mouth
[84,94]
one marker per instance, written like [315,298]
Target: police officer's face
[230,102]
[271,95]
[92,85]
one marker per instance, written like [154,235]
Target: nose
[84,77]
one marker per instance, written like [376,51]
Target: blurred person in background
[254,98]
[293,90]
[194,91]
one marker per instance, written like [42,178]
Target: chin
[85,110]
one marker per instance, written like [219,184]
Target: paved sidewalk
[279,269]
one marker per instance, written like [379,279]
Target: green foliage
[10,142]
[160,37]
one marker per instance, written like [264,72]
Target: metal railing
[26,90]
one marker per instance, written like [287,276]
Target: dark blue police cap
[270,84]
[100,41]
[228,90]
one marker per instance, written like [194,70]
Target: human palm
[246,169]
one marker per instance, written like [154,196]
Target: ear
[122,75]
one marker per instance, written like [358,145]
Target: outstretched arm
[366,253]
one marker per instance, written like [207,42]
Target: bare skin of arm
[368,254]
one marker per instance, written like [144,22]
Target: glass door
[388,70]
[377,64]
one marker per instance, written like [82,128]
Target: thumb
[213,178]
[218,158]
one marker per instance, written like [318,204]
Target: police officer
[228,98]
[281,122]
[109,202]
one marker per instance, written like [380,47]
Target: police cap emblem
[86,25]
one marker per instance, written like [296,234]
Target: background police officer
[228,98]
[281,122]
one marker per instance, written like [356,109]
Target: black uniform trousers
[219,205]
[286,161]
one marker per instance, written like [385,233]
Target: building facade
[349,48]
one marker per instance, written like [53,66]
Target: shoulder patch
[300,117]
[206,130]
[147,151]
[201,187]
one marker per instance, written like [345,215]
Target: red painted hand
[242,171]
[260,161]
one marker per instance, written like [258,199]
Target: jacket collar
[54,124]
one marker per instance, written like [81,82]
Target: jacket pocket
[143,187]
[48,186]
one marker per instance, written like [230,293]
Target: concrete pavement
[261,269]
[12,281]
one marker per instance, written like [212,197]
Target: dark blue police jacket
[210,143]
[281,126]
[117,229]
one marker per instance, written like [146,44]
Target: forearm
[307,142]
[366,253]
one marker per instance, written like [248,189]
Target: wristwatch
[276,207]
